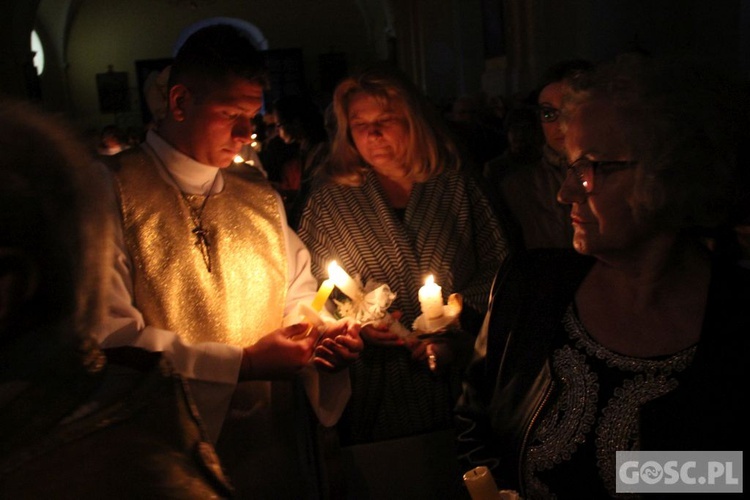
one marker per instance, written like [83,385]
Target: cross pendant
[201,239]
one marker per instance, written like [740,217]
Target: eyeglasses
[585,170]
[548,114]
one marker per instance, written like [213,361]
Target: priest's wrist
[246,365]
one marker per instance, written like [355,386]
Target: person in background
[300,122]
[208,271]
[155,92]
[478,139]
[112,140]
[637,337]
[275,154]
[393,206]
[496,114]
[247,163]
[76,421]
[527,193]
[524,152]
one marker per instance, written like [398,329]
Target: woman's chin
[581,245]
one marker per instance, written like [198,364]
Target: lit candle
[323,292]
[480,484]
[431,299]
[509,495]
[343,281]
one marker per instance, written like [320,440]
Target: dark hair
[212,54]
[565,69]
[559,72]
[302,118]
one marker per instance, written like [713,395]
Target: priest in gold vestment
[208,271]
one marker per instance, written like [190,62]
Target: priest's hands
[278,355]
[338,346]
[283,353]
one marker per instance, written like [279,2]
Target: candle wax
[343,281]
[323,293]
[481,484]
[431,299]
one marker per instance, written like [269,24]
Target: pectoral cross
[201,240]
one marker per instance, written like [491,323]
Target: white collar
[191,176]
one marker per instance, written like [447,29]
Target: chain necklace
[201,234]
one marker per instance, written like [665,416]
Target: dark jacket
[121,428]
[508,387]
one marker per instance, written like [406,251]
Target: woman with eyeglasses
[637,338]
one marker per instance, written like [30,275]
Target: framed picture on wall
[112,89]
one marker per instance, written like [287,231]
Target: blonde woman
[393,205]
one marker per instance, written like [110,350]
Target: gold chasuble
[243,296]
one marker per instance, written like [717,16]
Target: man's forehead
[239,85]
[239,92]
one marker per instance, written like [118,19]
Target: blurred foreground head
[686,123]
[54,233]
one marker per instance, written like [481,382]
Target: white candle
[509,495]
[343,281]
[481,484]
[431,299]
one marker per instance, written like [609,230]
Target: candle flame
[343,281]
[238,159]
[430,280]
[335,271]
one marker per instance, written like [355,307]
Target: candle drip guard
[424,327]
[371,307]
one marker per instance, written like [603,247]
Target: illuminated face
[551,97]
[603,220]
[216,124]
[380,133]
